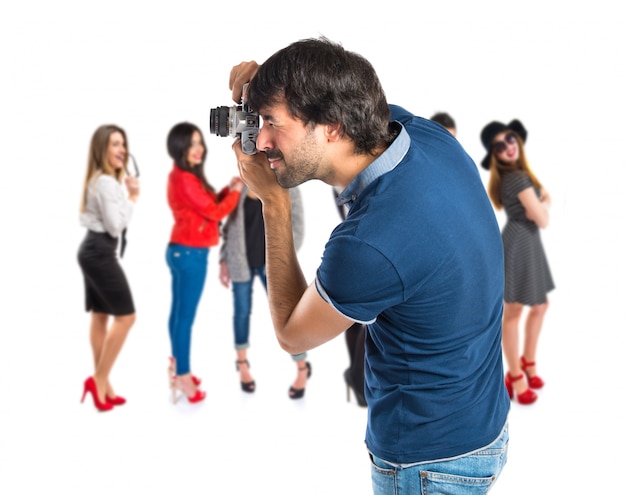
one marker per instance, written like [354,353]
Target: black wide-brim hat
[494,128]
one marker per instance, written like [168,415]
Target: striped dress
[527,276]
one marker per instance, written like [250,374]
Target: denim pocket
[450,484]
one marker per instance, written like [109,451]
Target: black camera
[237,121]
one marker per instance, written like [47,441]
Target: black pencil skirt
[106,288]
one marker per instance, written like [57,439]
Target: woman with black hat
[514,187]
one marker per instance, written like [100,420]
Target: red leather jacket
[197,212]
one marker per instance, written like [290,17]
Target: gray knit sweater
[233,248]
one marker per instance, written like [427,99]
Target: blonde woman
[106,210]
[527,277]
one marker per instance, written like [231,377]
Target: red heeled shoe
[526,397]
[533,381]
[115,401]
[198,396]
[196,381]
[90,386]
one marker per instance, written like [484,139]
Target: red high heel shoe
[115,401]
[526,397]
[196,381]
[198,396]
[533,381]
[90,386]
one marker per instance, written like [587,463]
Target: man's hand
[257,174]
[240,75]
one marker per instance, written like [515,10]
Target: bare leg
[97,334]
[302,375]
[243,366]
[510,342]
[534,322]
[110,348]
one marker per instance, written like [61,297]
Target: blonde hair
[497,168]
[97,162]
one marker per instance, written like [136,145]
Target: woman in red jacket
[197,211]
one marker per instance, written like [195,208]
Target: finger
[234,82]
[233,76]
[240,75]
[237,148]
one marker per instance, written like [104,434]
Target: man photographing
[418,259]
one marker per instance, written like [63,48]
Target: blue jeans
[188,267]
[242,301]
[470,474]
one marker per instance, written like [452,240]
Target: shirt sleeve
[518,183]
[116,210]
[357,279]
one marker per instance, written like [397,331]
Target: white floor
[69,67]
[265,442]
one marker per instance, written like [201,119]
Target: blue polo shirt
[419,259]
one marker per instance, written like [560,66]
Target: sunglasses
[134,167]
[500,146]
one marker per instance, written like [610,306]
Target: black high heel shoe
[360,396]
[298,393]
[246,386]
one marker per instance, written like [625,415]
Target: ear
[332,132]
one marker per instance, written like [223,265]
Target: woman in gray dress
[527,278]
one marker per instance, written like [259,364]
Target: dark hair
[322,83]
[178,144]
[444,119]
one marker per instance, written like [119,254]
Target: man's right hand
[240,75]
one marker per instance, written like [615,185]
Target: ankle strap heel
[534,381]
[525,398]
[248,387]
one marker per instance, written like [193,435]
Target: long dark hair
[322,83]
[178,144]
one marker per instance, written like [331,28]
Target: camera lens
[218,123]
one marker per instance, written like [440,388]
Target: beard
[303,166]
[291,177]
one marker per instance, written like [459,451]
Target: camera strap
[123,243]
[134,174]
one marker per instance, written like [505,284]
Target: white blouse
[108,208]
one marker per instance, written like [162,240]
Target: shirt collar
[383,164]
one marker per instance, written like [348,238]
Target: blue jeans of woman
[470,474]
[188,267]
[242,301]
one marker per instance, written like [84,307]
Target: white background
[67,67]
